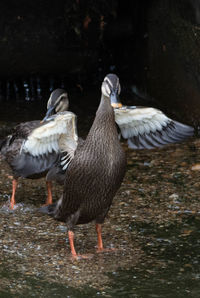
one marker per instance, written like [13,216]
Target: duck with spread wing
[25,164]
[96,166]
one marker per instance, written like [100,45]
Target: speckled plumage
[95,174]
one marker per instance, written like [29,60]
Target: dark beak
[48,113]
[114,100]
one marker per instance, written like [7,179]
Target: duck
[22,163]
[95,168]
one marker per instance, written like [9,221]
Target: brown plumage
[96,172]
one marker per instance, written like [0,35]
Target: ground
[154,215]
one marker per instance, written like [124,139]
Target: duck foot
[74,255]
[100,247]
[47,203]
[80,257]
[10,206]
[101,250]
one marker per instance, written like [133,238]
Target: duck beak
[114,100]
[48,113]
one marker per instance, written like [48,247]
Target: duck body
[24,164]
[95,174]
[95,171]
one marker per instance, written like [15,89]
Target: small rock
[196,167]
[174,196]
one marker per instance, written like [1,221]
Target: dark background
[153,46]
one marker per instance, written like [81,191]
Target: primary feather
[149,127]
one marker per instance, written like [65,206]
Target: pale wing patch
[149,127]
[136,121]
[58,135]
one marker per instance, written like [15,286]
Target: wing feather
[58,134]
[149,127]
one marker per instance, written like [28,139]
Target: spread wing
[25,128]
[57,135]
[149,128]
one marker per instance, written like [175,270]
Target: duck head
[58,102]
[111,88]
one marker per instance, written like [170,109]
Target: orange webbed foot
[46,204]
[81,257]
[12,206]
[110,249]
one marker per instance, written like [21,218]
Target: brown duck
[97,169]
[23,164]
[95,173]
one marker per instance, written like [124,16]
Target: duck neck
[104,123]
[104,107]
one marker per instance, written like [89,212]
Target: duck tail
[2,147]
[4,143]
[49,209]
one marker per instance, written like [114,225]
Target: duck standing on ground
[23,164]
[96,171]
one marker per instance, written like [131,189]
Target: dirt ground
[160,190]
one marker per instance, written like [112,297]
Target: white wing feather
[149,127]
[57,135]
[136,121]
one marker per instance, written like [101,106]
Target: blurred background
[153,46]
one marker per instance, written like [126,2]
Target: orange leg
[73,251]
[99,238]
[12,200]
[100,247]
[49,199]
[71,242]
